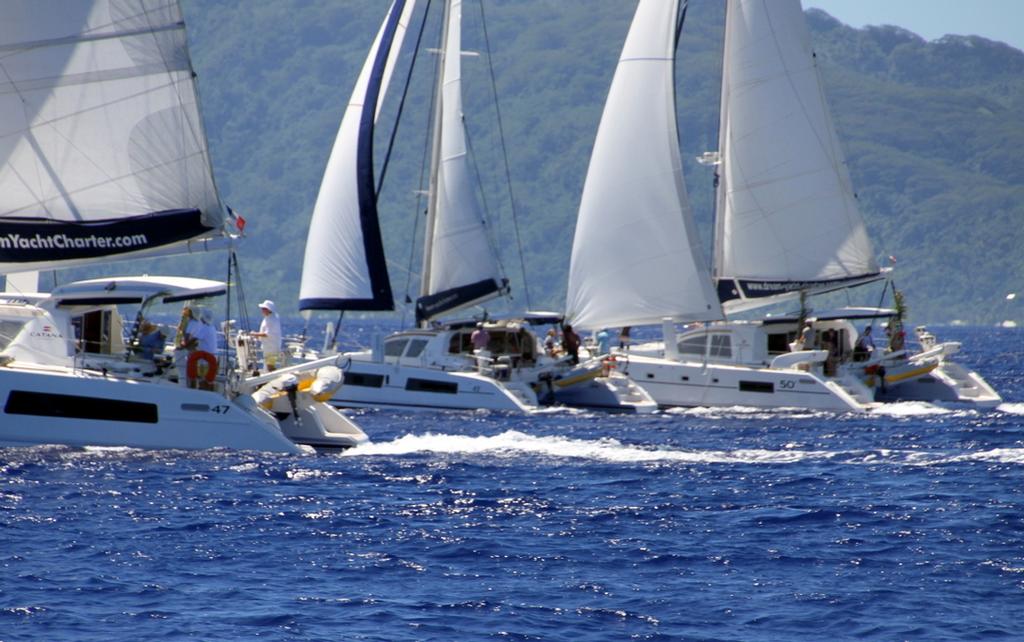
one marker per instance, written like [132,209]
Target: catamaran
[105,158]
[787,226]
[434,365]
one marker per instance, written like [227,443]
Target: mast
[435,157]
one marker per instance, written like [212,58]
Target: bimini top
[136,289]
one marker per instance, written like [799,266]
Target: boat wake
[1011,408]
[910,409]
[515,443]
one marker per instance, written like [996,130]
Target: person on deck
[571,343]
[865,345]
[151,340]
[201,337]
[551,343]
[270,335]
[603,342]
[624,338]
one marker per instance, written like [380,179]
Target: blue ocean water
[907,523]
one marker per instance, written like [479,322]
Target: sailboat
[433,366]
[787,227]
[105,158]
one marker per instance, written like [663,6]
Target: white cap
[206,314]
[269,305]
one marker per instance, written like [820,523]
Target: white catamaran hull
[689,384]
[371,384]
[949,382]
[52,405]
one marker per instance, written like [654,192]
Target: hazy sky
[1001,20]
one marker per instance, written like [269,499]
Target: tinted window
[721,345]
[42,404]
[428,385]
[395,348]
[416,347]
[757,386]
[366,380]
[693,345]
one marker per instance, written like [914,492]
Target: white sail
[102,144]
[344,264]
[787,215]
[635,256]
[462,266]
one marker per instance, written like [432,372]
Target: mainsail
[102,143]
[787,217]
[344,266]
[635,256]
[460,264]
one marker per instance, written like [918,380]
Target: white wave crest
[1011,408]
[909,409]
[610,450]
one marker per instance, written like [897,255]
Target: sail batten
[102,143]
[635,257]
[787,214]
[344,266]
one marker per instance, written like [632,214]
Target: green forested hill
[933,132]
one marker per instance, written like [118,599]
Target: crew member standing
[270,335]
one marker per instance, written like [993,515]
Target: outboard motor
[290,385]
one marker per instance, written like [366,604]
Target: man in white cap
[270,333]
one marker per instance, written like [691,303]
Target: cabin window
[416,347]
[428,385]
[395,348]
[8,330]
[757,386]
[460,342]
[43,404]
[363,379]
[721,346]
[779,343]
[693,345]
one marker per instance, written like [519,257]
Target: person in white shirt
[201,337]
[270,333]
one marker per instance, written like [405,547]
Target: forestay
[635,257]
[787,214]
[461,264]
[102,144]
[344,266]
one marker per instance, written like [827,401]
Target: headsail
[101,139]
[787,216]
[461,267]
[635,257]
[344,266]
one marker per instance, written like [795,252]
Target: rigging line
[424,161]
[504,152]
[227,322]
[401,103]
[489,235]
[243,306]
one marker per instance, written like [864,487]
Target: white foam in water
[612,450]
[1011,408]
[909,409]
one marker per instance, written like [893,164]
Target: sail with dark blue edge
[434,305]
[103,153]
[344,266]
[35,241]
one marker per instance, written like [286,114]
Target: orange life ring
[192,368]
